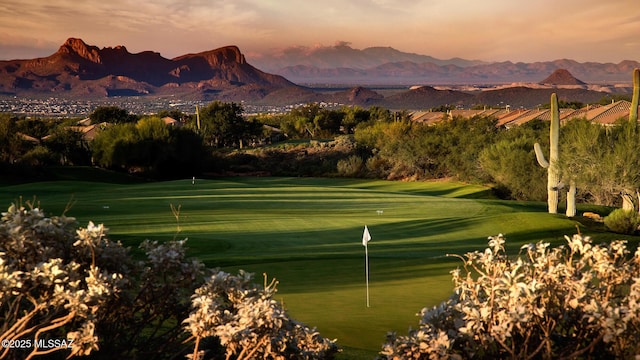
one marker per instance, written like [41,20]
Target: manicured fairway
[307,233]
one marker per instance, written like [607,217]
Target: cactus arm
[633,112]
[540,156]
[571,199]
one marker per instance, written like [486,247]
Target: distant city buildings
[55,107]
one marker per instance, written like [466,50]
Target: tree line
[349,141]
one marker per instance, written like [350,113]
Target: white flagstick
[366,237]
[366,264]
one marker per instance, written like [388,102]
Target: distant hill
[562,77]
[520,96]
[83,70]
[426,97]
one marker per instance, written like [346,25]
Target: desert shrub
[462,140]
[144,321]
[55,280]
[249,323]
[417,151]
[74,285]
[512,167]
[39,156]
[377,167]
[351,166]
[574,301]
[344,143]
[622,221]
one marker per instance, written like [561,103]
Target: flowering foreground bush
[249,323]
[68,291]
[575,301]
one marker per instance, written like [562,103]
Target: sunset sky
[489,30]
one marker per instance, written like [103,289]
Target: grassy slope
[307,233]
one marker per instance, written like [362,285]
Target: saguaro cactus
[553,177]
[627,197]
[633,112]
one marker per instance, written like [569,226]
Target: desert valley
[338,75]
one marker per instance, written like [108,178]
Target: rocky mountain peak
[118,50]
[561,77]
[224,55]
[233,52]
[360,93]
[80,48]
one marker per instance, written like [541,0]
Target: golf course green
[307,233]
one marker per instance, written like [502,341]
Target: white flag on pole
[366,237]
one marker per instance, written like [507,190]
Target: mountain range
[80,70]
[341,64]
[343,56]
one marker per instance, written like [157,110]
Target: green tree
[511,165]
[111,114]
[404,149]
[112,147]
[187,153]
[69,146]
[510,161]
[327,122]
[222,125]
[443,108]
[377,113]
[462,139]
[563,104]
[151,147]
[39,156]
[602,161]
[354,115]
[11,146]
[586,149]
[401,149]
[626,161]
[35,127]
[299,122]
